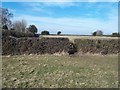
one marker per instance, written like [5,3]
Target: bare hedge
[6,33]
[17,46]
[33,45]
[103,46]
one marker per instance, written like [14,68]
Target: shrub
[94,33]
[108,46]
[12,29]
[5,27]
[32,29]
[16,34]
[29,34]
[5,33]
[59,32]
[45,32]
[115,34]
[97,33]
[34,45]
[72,48]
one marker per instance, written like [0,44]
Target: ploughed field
[57,71]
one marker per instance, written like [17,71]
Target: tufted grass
[60,71]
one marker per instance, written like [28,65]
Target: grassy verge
[53,71]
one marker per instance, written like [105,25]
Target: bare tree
[20,25]
[24,25]
[5,17]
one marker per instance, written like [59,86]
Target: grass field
[55,71]
[72,38]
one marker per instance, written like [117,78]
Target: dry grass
[72,38]
[54,71]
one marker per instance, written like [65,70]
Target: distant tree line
[116,34]
[18,27]
[100,33]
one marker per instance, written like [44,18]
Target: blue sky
[67,17]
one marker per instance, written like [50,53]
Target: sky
[82,18]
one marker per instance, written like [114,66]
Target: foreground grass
[53,71]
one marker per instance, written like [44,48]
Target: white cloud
[72,25]
[41,10]
[37,9]
[51,4]
[59,4]
[12,10]
[43,7]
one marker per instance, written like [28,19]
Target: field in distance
[73,37]
[55,71]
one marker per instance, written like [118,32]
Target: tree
[24,25]
[45,32]
[115,34]
[59,32]
[97,33]
[94,33]
[5,27]
[20,25]
[32,29]
[5,16]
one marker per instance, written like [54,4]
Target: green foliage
[97,33]
[5,27]
[32,28]
[16,34]
[94,33]
[59,32]
[115,34]
[5,33]
[45,32]
[12,29]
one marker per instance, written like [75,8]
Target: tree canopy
[45,32]
[32,28]
[59,32]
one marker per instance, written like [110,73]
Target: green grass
[52,71]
